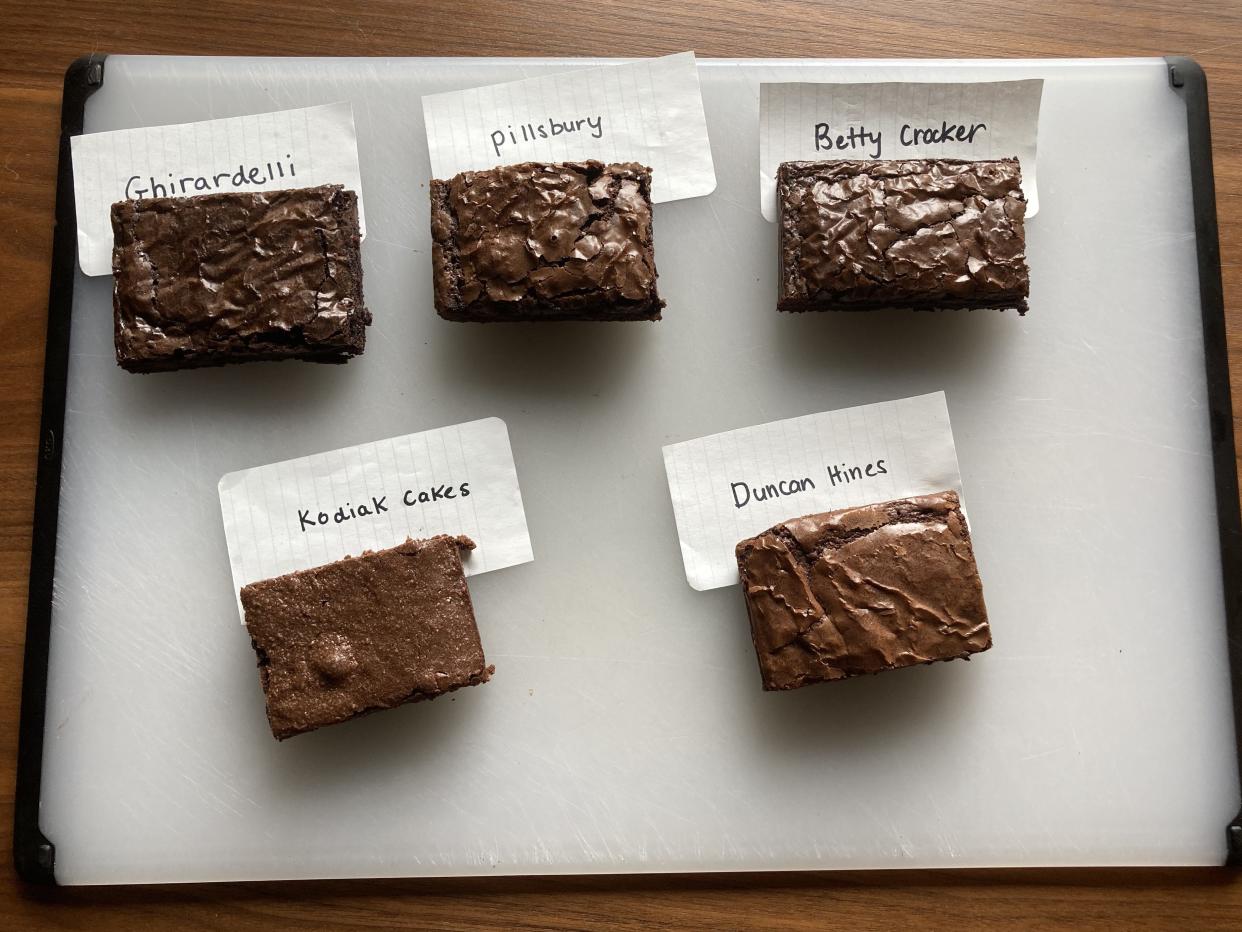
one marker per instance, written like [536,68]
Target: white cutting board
[625,729]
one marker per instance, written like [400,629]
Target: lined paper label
[898,120]
[734,485]
[647,111]
[261,152]
[319,509]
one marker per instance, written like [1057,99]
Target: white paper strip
[731,486]
[261,152]
[647,111]
[964,120]
[319,509]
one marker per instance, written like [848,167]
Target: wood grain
[38,41]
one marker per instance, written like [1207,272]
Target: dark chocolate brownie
[568,241]
[365,633]
[861,590]
[913,233]
[236,277]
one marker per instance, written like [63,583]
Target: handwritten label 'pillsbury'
[547,129]
[648,111]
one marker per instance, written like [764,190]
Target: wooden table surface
[37,42]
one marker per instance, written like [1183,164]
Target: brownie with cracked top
[863,590]
[536,242]
[237,277]
[904,233]
[365,633]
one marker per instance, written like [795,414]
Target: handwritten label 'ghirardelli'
[318,509]
[258,152]
[965,120]
[730,486]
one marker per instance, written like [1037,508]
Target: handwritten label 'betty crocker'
[898,120]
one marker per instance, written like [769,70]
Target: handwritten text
[858,137]
[548,129]
[178,185]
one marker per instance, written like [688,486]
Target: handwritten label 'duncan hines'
[745,492]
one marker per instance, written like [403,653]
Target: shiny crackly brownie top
[910,232]
[863,589]
[536,235]
[224,277]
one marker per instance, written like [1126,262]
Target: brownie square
[566,241]
[365,633]
[862,590]
[237,277]
[912,233]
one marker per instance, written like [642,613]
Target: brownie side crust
[238,277]
[863,590]
[923,234]
[533,242]
[365,633]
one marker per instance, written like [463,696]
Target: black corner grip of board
[34,855]
[1187,79]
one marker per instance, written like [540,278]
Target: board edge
[34,855]
[1189,81]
